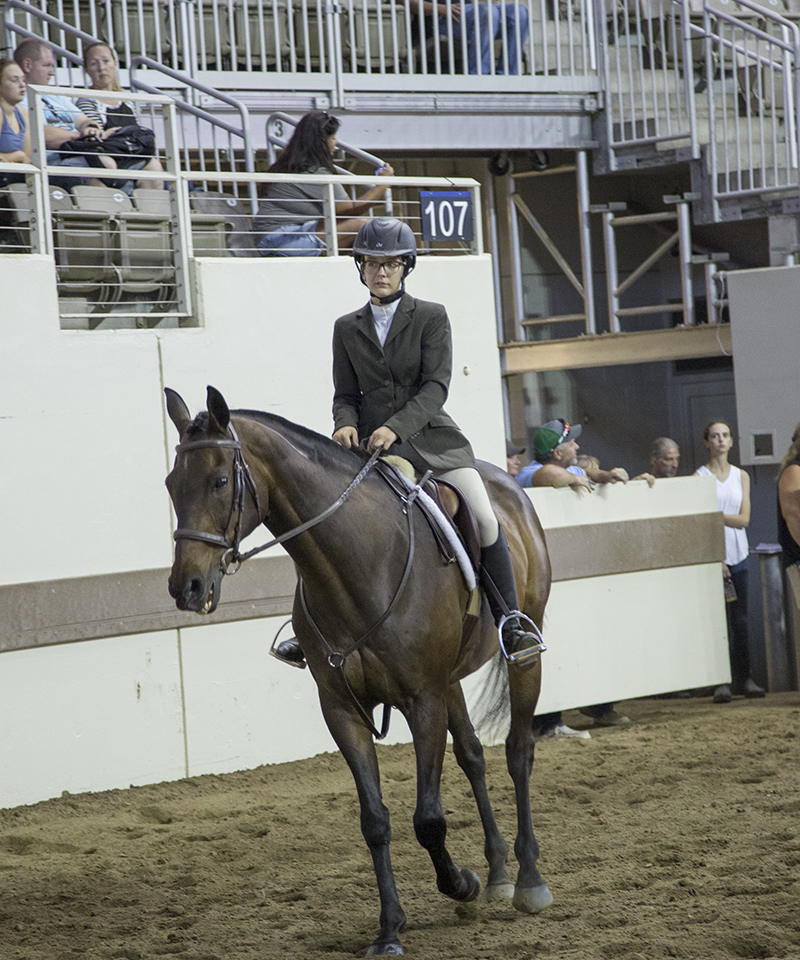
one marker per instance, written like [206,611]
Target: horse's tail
[491,712]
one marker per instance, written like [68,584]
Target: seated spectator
[290,219]
[665,458]
[513,453]
[458,16]
[15,138]
[556,452]
[112,115]
[63,121]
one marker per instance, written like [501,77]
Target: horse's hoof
[385,948]
[499,891]
[473,883]
[532,899]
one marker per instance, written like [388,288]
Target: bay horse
[234,471]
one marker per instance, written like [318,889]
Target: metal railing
[718,80]
[201,132]
[356,45]
[121,256]
[752,73]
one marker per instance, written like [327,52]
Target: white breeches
[469,482]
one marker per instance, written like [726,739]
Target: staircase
[714,86]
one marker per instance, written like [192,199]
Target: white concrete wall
[86,446]
[764,328]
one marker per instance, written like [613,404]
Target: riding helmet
[386,237]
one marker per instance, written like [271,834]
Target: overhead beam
[614,349]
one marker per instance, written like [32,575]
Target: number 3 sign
[446,214]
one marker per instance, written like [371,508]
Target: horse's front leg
[531,893]
[428,722]
[358,749]
[469,755]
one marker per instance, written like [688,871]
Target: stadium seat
[208,229]
[239,233]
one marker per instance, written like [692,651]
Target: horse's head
[214,500]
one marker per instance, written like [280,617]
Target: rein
[243,479]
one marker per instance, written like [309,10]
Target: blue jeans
[291,240]
[489,33]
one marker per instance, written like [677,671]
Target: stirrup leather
[529,654]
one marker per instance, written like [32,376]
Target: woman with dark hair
[733,501]
[290,220]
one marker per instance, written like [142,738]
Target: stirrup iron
[521,657]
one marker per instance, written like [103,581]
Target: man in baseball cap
[556,451]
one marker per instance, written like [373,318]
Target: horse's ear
[218,409]
[177,410]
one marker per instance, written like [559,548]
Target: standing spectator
[733,500]
[789,525]
[551,726]
[111,113]
[513,453]
[15,138]
[290,219]
[665,458]
[63,120]
[556,452]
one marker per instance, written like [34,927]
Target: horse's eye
[220,482]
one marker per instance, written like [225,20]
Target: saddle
[453,504]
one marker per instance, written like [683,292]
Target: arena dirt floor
[676,837]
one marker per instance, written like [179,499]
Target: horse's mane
[313,445]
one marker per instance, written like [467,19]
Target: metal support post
[780,655]
[495,249]
[610,246]
[582,171]
[685,251]
[516,261]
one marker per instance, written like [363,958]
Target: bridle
[243,480]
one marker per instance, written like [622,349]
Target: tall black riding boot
[518,644]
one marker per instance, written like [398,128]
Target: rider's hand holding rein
[381,439]
[346,437]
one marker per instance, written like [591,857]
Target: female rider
[392,362]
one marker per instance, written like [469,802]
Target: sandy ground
[676,837]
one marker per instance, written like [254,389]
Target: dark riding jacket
[402,385]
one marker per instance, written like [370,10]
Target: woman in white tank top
[733,501]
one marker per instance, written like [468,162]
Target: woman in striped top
[112,113]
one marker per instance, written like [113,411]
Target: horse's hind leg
[358,749]
[469,755]
[531,893]
[428,722]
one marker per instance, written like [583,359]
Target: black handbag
[128,146]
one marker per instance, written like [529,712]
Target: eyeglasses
[390,266]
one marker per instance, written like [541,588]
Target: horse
[375,627]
